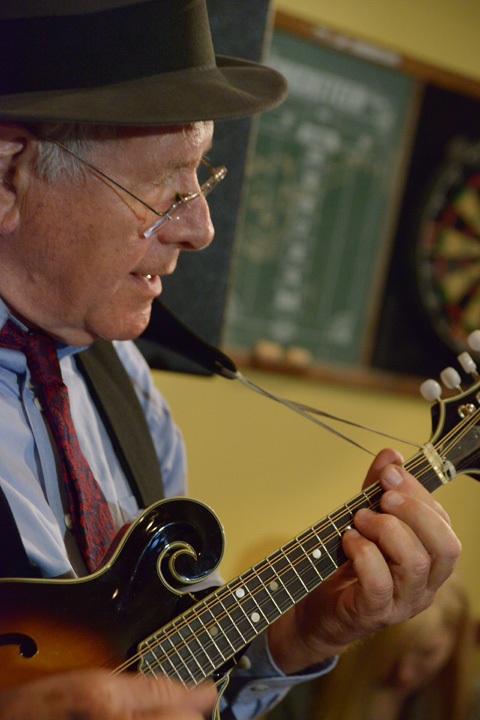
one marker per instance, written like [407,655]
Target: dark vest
[114,396]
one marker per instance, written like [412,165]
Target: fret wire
[236,606]
[326,550]
[149,668]
[201,651]
[368,494]
[172,654]
[166,657]
[249,595]
[194,655]
[419,459]
[266,566]
[267,589]
[293,567]
[182,660]
[307,555]
[311,573]
[202,648]
[282,551]
[277,576]
[227,614]
[156,638]
[252,626]
[286,589]
[338,516]
[371,505]
[334,526]
[211,638]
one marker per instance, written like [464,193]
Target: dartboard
[447,248]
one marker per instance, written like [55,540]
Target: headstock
[456,420]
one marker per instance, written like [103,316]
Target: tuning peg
[468,364]
[431,390]
[474,340]
[451,379]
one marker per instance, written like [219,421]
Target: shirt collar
[63,350]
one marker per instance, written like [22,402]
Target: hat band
[117,45]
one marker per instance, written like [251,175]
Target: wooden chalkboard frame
[363,373]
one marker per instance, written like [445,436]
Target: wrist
[293,655]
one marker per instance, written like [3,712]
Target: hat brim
[233,89]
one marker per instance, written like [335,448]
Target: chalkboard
[196,292]
[321,185]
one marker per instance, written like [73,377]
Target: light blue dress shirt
[29,479]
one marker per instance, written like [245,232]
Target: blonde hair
[346,693]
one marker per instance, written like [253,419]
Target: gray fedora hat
[125,62]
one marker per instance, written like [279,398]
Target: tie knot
[39,349]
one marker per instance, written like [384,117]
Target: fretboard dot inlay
[240,592]
[273,586]
[317,553]
[255,617]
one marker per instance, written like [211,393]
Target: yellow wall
[267,473]
[442,33]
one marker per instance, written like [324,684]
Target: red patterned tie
[88,508]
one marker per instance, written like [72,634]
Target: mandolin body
[52,626]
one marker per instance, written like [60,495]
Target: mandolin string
[306,411]
[315,531]
[468,422]
[451,438]
[371,491]
[245,578]
[215,600]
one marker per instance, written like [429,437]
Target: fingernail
[393,476]
[393,499]
[352,532]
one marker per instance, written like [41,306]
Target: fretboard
[214,630]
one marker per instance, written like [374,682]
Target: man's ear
[13,143]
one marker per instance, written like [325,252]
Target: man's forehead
[174,144]
[189,136]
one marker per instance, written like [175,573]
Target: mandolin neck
[216,629]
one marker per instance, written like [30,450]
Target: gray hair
[53,162]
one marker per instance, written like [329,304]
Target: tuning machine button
[468,364]
[451,379]
[474,340]
[431,390]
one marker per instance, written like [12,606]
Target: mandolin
[139,613]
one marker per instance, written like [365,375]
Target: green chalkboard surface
[318,203]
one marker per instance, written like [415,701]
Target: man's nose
[191,228]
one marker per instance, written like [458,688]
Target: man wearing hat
[106,114]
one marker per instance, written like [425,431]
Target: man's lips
[147,280]
[145,276]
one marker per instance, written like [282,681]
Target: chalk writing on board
[317,196]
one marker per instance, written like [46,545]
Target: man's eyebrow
[187,162]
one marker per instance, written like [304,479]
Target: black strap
[120,410]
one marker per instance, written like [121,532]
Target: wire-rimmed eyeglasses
[217,174]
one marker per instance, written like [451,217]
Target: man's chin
[126,328]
